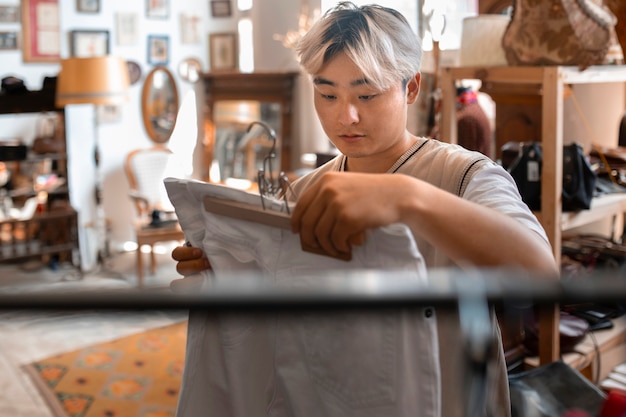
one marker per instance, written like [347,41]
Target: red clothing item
[474,129]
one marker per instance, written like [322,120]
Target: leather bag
[558,32]
[579,178]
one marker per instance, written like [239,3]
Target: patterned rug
[135,376]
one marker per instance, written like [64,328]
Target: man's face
[361,121]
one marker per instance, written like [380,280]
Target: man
[462,208]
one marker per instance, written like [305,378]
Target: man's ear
[413,88]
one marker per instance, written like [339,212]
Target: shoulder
[447,166]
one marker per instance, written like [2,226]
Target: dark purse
[579,178]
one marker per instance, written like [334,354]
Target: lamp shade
[481,40]
[102,80]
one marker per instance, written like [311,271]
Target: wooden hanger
[256,214]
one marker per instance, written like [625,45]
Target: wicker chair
[156,221]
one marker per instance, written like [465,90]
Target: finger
[305,224]
[324,236]
[186,253]
[193,266]
[301,210]
[188,284]
[357,239]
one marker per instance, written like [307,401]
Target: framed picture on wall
[223,52]
[157,9]
[86,43]
[126,27]
[8,41]
[190,28]
[220,8]
[9,14]
[158,49]
[41,34]
[88,6]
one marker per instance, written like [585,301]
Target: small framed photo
[157,9]
[220,8]
[9,14]
[223,52]
[86,43]
[126,27]
[190,27]
[158,49]
[88,6]
[8,41]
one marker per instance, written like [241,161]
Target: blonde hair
[379,40]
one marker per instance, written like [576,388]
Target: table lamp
[101,80]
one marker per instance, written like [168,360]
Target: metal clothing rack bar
[333,290]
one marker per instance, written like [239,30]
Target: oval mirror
[159,104]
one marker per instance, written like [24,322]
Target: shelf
[585,359]
[29,102]
[601,208]
[33,158]
[537,75]
[25,193]
[550,83]
[49,233]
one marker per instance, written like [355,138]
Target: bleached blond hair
[379,40]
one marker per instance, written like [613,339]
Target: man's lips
[351,137]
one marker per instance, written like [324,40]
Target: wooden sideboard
[264,87]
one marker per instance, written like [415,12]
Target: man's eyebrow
[324,81]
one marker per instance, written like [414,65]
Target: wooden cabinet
[268,89]
[52,232]
[551,82]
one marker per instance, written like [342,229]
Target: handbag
[558,32]
[526,171]
[552,390]
[579,178]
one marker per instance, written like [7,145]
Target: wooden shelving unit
[54,231]
[551,81]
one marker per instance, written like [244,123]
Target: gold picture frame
[223,52]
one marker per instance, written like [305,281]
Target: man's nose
[348,114]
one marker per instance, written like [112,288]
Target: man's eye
[328,96]
[367,97]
